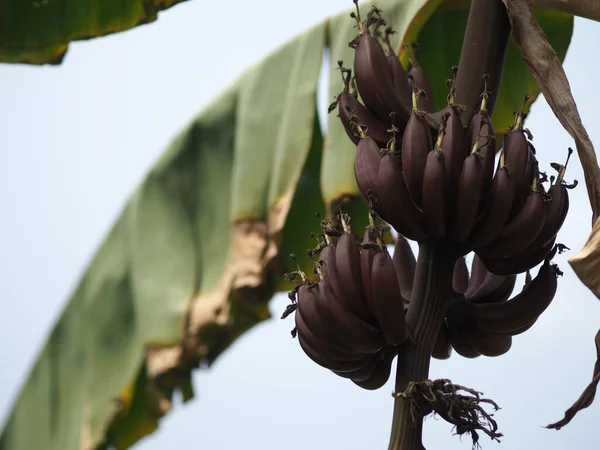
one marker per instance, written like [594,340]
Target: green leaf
[201,246]
[190,264]
[39,31]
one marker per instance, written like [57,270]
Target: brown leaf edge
[544,65]
[586,398]
[585,264]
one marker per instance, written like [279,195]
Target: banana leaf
[39,32]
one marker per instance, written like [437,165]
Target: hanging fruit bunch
[351,319]
[438,184]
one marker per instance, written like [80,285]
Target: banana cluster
[485,319]
[445,184]
[352,318]
[435,183]
[385,88]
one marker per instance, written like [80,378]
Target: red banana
[418,79]
[416,145]
[348,278]
[373,77]
[520,232]
[366,165]
[496,214]
[380,375]
[468,197]
[478,273]
[460,279]
[531,257]
[394,203]
[523,309]
[405,265]
[388,300]
[434,194]
[455,151]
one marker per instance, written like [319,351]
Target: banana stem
[413,365]
[430,297]
[483,52]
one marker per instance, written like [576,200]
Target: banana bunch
[386,91]
[485,318]
[435,183]
[351,320]
[445,185]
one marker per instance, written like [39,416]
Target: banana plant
[409,155]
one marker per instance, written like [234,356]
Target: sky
[75,140]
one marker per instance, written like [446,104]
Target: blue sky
[76,140]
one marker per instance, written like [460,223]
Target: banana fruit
[485,321]
[351,319]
